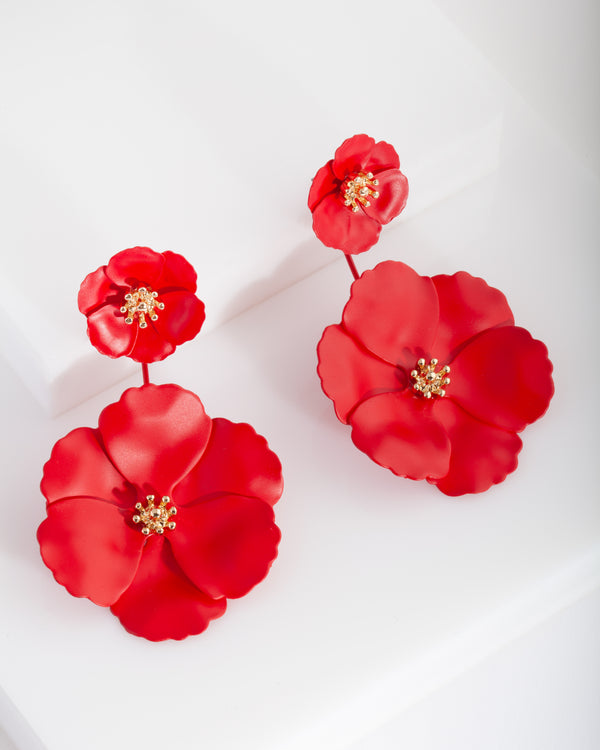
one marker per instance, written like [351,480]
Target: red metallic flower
[160,513]
[141,305]
[355,193]
[434,377]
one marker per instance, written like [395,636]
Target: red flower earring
[160,513]
[432,374]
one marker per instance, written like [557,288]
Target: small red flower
[355,193]
[160,513]
[141,305]
[434,377]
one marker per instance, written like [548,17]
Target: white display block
[197,127]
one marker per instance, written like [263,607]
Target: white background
[384,590]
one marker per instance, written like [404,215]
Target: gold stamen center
[428,381]
[140,303]
[156,518]
[359,189]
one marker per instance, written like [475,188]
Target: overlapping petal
[226,545]
[481,455]
[161,602]
[340,228]
[137,265]
[350,373]
[109,334]
[400,433]
[176,273]
[95,290]
[154,435]
[361,153]
[393,312]
[79,466]
[468,305]
[393,194]
[236,461]
[89,548]
[324,182]
[503,377]
[185,325]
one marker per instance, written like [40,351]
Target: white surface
[197,127]
[384,589]
[538,693]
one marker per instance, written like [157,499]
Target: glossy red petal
[109,333]
[135,266]
[154,435]
[90,549]
[467,306]
[324,182]
[350,373]
[393,312]
[361,153]
[503,377]
[150,345]
[181,319]
[338,227]
[481,455]
[236,461]
[226,545]
[161,603]
[95,290]
[79,466]
[176,273]
[393,194]
[400,432]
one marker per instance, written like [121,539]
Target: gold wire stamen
[139,303]
[359,190]
[156,518]
[428,382]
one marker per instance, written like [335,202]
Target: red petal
[394,312]
[89,547]
[236,461]
[226,545]
[150,346]
[109,333]
[161,603]
[481,455]
[503,377]
[324,182]
[181,319]
[154,435]
[467,307]
[361,153]
[339,227]
[350,373]
[95,290]
[393,194]
[399,432]
[79,466]
[176,273]
[134,267]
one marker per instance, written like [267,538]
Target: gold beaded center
[156,518]
[359,190]
[428,382]
[139,303]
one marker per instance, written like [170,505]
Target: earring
[160,512]
[431,374]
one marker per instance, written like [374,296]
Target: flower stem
[352,266]
[145,374]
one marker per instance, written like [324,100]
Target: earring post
[352,266]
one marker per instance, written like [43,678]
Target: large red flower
[434,377]
[141,305]
[160,513]
[355,193]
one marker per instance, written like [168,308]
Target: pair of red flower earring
[162,513]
